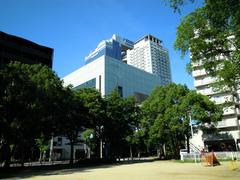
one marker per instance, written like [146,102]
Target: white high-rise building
[228,137]
[107,68]
[149,55]
[112,66]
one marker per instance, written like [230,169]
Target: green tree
[212,34]
[75,118]
[30,96]
[166,116]
[135,141]
[122,120]
[89,138]
[42,145]
[96,107]
[162,119]
[202,110]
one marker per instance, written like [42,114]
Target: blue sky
[75,27]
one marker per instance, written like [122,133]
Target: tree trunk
[162,151]
[22,155]
[71,152]
[6,155]
[40,156]
[158,151]
[131,155]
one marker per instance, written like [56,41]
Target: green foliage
[75,117]
[166,115]
[89,137]
[94,103]
[176,4]
[122,121]
[212,32]
[96,115]
[30,98]
[42,145]
[34,106]
[201,108]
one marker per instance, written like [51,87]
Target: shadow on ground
[62,169]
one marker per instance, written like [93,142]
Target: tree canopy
[166,115]
[30,104]
[212,34]
[122,120]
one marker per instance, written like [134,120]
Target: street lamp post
[101,148]
[190,123]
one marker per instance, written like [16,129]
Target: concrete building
[62,149]
[106,74]
[116,47]
[229,130]
[13,48]
[149,55]
[108,68]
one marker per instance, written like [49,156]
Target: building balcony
[199,72]
[203,82]
[207,91]
[230,122]
[229,111]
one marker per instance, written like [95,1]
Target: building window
[59,141]
[120,91]
[91,84]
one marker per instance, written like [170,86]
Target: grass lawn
[140,171]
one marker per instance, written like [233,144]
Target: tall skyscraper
[149,55]
[108,68]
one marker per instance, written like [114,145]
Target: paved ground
[142,171]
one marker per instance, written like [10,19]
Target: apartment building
[228,137]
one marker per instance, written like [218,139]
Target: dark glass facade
[90,84]
[13,48]
[112,50]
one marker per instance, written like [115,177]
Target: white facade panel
[227,122]
[131,79]
[114,73]
[86,73]
[199,72]
[149,55]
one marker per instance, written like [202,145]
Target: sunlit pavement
[141,171]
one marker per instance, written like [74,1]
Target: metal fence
[226,155]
